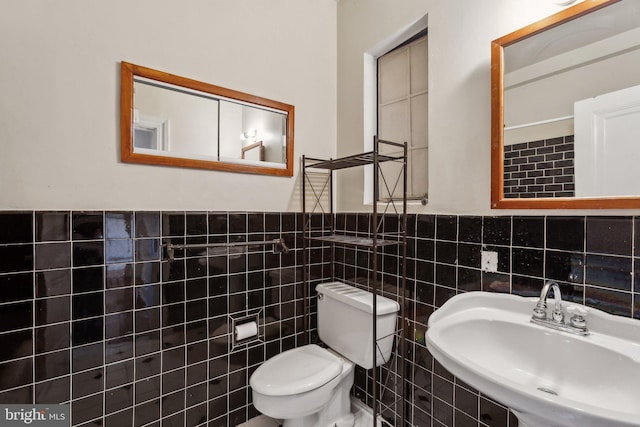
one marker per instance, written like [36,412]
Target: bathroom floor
[261,421]
[362,413]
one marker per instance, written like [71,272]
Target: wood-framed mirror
[565,110]
[169,120]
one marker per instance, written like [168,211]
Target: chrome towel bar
[278,246]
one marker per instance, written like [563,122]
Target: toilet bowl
[309,386]
[306,386]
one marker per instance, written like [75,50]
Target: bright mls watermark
[35,415]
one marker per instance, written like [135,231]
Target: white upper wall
[59,86]
[60,82]
[460,35]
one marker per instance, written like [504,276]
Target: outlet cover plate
[489,261]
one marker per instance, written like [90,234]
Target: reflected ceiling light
[564,2]
[250,135]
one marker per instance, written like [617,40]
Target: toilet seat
[296,371]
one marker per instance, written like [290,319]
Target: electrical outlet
[489,261]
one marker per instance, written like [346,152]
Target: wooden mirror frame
[129,71]
[498,201]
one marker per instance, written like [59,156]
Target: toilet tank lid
[296,371]
[357,298]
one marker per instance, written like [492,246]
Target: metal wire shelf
[383,151]
[350,161]
[360,159]
[352,241]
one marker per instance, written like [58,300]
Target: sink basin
[546,377]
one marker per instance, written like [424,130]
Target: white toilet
[309,386]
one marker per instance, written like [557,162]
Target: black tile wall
[542,168]
[595,259]
[96,317]
[92,314]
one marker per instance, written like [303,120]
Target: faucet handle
[578,316]
[557,314]
[578,310]
[540,310]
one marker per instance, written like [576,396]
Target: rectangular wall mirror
[566,110]
[170,120]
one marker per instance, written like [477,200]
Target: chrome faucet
[540,312]
[576,325]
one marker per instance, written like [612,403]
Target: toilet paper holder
[244,322]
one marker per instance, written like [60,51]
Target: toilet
[309,386]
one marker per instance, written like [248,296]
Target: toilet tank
[345,322]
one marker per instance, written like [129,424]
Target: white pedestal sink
[548,378]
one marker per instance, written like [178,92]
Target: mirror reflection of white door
[607,144]
[151,133]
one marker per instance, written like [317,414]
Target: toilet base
[337,412]
[328,405]
[314,421]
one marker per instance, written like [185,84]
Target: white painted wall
[59,86]
[460,35]
[59,102]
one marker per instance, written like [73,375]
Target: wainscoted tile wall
[92,313]
[542,168]
[595,259]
